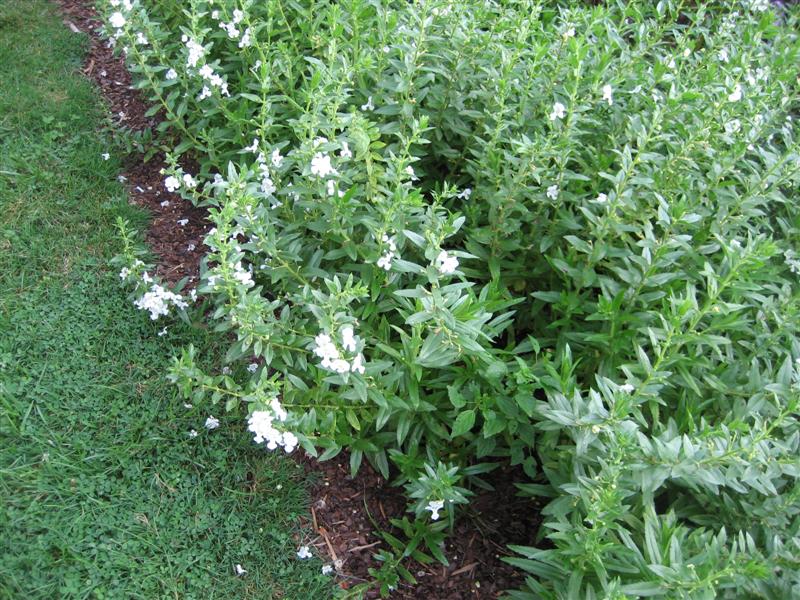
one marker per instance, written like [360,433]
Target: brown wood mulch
[345,511]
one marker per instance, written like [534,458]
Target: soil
[346,513]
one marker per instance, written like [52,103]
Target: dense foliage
[455,234]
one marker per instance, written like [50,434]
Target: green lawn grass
[103,494]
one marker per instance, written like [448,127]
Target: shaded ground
[103,492]
[346,511]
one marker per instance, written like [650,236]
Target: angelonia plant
[449,236]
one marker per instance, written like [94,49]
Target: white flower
[276,158]
[465,194]
[348,339]
[204,93]
[242,276]
[260,424]
[435,506]
[123,274]
[385,261]
[733,126]
[340,365]
[687,52]
[569,33]
[215,15]
[601,199]
[189,181]
[233,32]
[303,552]
[289,442]
[327,569]
[627,388]
[171,75]
[196,52]
[117,20]
[245,41]
[321,165]
[358,364]
[331,187]
[239,570]
[552,192]
[226,370]
[163,332]
[607,92]
[105,156]
[252,367]
[723,55]
[238,15]
[369,105]
[165,204]
[736,94]
[157,300]
[345,152]
[211,423]
[182,222]
[267,186]
[446,264]
[141,39]
[559,111]
[192,434]
[410,173]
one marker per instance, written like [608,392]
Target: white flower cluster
[117,20]
[385,261]
[230,28]
[326,349]
[321,165]
[158,299]
[242,275]
[267,185]
[446,264]
[173,184]
[196,50]
[125,272]
[261,424]
[214,80]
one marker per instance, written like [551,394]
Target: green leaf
[463,423]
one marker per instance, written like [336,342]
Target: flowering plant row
[451,235]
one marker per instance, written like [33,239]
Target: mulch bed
[344,510]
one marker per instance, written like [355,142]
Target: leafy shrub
[454,234]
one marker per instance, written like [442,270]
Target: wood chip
[464,569]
